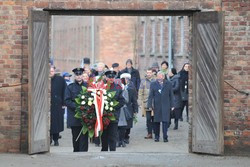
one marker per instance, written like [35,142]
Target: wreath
[95,108]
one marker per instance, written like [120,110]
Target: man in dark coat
[71,92]
[161,101]
[175,80]
[109,135]
[115,67]
[135,75]
[58,86]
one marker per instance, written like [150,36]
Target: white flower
[90,98]
[109,95]
[111,103]
[90,103]
[106,102]
[83,97]
[92,94]
[111,108]
[105,97]
[104,92]
[106,107]
[83,102]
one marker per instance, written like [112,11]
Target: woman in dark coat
[161,100]
[174,79]
[58,86]
[184,89]
[130,108]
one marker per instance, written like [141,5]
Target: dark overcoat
[161,99]
[132,104]
[135,77]
[118,97]
[58,86]
[175,80]
[71,93]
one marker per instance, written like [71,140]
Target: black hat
[110,74]
[78,71]
[86,61]
[115,65]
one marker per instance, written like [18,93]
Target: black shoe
[165,140]
[60,136]
[123,144]
[175,128]
[126,141]
[157,140]
[56,143]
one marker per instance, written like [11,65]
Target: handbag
[127,113]
[172,114]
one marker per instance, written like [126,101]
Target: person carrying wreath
[80,140]
[109,135]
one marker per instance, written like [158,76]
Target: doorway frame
[189,13]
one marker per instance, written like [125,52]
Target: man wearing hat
[71,93]
[86,66]
[115,67]
[109,135]
[66,77]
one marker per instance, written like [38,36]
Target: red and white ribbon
[98,90]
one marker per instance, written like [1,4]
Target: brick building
[14,74]
[117,38]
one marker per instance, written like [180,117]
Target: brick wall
[117,39]
[237,73]
[14,63]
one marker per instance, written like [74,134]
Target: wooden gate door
[207,124]
[38,81]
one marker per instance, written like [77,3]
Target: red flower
[110,114]
[82,108]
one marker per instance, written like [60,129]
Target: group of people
[162,95]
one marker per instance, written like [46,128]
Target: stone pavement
[178,140]
[140,152]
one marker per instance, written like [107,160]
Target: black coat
[118,96]
[184,84]
[132,104]
[161,99]
[135,77]
[58,86]
[71,93]
[175,80]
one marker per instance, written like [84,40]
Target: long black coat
[132,104]
[71,93]
[175,80]
[161,99]
[135,77]
[118,96]
[58,86]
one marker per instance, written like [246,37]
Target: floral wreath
[95,108]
